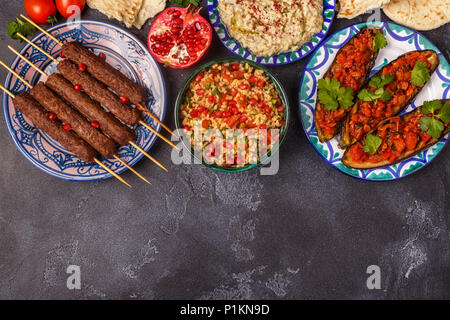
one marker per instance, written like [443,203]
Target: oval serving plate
[283,97]
[123,51]
[283,58]
[400,40]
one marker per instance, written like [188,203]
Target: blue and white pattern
[400,40]
[283,58]
[126,53]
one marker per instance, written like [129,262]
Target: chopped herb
[24,28]
[186,3]
[208,86]
[217,93]
[372,143]
[379,42]
[431,125]
[420,74]
[285,10]
[332,95]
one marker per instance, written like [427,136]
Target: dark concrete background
[307,232]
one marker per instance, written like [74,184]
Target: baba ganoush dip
[269,27]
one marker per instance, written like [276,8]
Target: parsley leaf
[186,3]
[372,143]
[431,126]
[379,42]
[369,95]
[24,28]
[378,82]
[332,95]
[420,74]
[444,113]
[431,106]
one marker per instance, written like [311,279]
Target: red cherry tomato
[95,124]
[40,11]
[82,67]
[70,8]
[52,116]
[124,100]
[78,87]
[67,127]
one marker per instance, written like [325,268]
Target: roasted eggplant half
[400,137]
[351,67]
[388,93]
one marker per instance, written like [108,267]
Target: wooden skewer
[9,93]
[56,61]
[28,61]
[139,106]
[95,159]
[48,34]
[43,73]
[131,169]
[38,48]
[112,172]
[148,156]
[16,74]
[159,135]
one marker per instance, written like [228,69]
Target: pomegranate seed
[82,67]
[102,56]
[267,110]
[78,87]
[233,92]
[211,99]
[67,127]
[253,79]
[253,102]
[176,13]
[244,86]
[261,104]
[124,99]
[234,110]
[61,54]
[235,67]
[187,128]
[226,114]
[263,126]
[52,116]
[95,124]
[152,38]
[231,103]
[200,92]
[280,109]
[243,118]
[261,83]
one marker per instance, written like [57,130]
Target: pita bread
[352,8]
[149,9]
[122,10]
[419,14]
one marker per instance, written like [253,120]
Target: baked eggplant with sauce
[400,137]
[351,68]
[388,93]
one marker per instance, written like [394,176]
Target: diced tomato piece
[411,140]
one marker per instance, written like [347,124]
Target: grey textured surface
[307,232]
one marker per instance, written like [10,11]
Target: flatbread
[419,14]
[122,10]
[149,9]
[352,8]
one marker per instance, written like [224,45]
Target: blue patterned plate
[400,40]
[284,58]
[122,50]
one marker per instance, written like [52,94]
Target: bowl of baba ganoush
[271,32]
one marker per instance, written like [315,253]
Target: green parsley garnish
[24,28]
[377,82]
[333,96]
[379,42]
[186,3]
[372,143]
[431,125]
[217,93]
[420,74]
[207,85]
